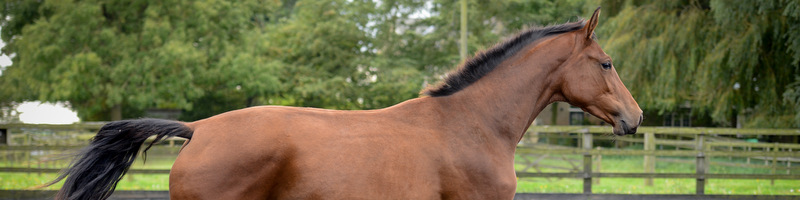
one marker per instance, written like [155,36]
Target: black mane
[485,61]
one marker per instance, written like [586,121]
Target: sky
[36,112]
[5,61]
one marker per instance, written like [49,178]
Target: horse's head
[588,80]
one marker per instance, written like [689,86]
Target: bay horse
[456,141]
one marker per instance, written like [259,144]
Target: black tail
[97,168]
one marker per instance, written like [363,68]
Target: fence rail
[76,126]
[666,130]
[659,175]
[702,146]
[56,170]
[621,152]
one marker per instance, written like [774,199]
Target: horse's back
[287,152]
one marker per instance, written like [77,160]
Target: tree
[103,57]
[730,59]
[423,35]
[207,57]
[9,113]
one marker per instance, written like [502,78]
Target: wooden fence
[41,147]
[699,143]
[702,148]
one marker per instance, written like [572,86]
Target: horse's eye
[606,65]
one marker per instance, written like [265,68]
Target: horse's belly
[317,190]
[391,171]
[377,171]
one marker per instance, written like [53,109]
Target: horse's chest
[478,183]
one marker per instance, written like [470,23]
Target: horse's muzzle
[628,129]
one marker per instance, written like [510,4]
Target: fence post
[774,161]
[4,136]
[789,164]
[587,162]
[38,159]
[730,148]
[700,166]
[649,159]
[766,158]
[600,165]
[748,157]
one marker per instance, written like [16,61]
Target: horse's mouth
[625,129]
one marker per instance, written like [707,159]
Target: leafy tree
[207,57]
[9,113]
[726,58]
[106,56]
[27,11]
[319,45]
[411,38]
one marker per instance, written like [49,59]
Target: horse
[456,141]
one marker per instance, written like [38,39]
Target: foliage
[729,59]
[792,97]
[207,57]
[9,113]
[100,55]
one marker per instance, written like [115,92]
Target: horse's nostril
[641,118]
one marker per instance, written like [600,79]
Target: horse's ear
[592,24]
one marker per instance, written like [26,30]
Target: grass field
[161,158]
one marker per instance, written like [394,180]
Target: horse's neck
[506,100]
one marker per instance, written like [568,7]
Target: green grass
[607,185]
[23,181]
[163,157]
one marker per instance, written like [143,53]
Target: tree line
[115,59]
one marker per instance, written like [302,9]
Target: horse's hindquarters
[230,160]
